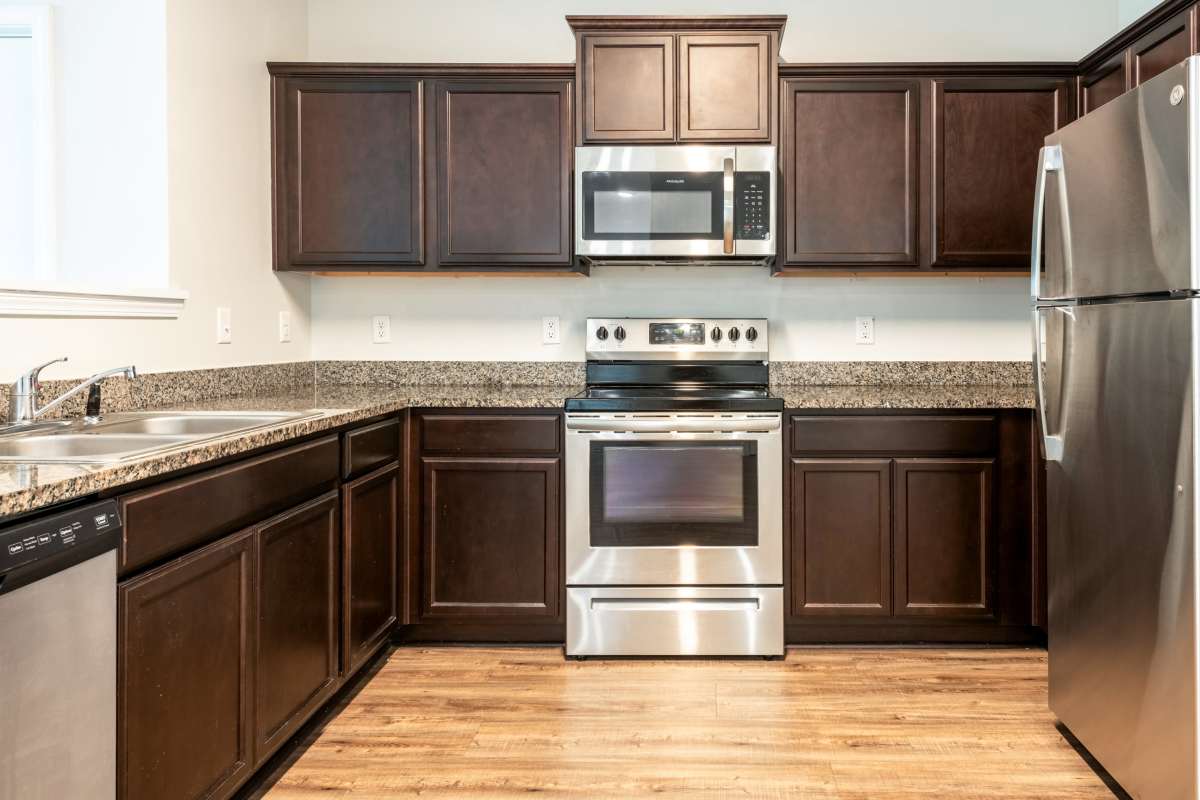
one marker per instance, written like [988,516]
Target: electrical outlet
[551,330]
[224,325]
[864,330]
[381,329]
[285,326]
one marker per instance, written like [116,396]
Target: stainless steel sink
[189,424]
[83,447]
[118,437]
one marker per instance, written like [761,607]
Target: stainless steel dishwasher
[58,655]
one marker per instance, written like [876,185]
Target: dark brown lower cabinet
[296,646]
[490,531]
[185,675]
[370,527]
[913,526]
[841,528]
[943,537]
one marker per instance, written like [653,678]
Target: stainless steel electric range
[674,543]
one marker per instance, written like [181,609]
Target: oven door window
[674,494]
[623,206]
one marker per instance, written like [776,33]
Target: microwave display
[676,333]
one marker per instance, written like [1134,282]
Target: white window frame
[43,295]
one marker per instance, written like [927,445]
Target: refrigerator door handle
[1051,443]
[1049,160]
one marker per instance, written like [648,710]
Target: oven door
[674,500]
[648,201]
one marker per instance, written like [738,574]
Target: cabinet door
[490,530]
[347,173]
[184,675]
[841,537]
[1107,82]
[297,643]
[726,82]
[1163,48]
[851,173]
[503,158]
[987,134]
[628,88]
[370,525]
[943,537]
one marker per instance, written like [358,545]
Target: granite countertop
[26,487]
[30,486]
[946,396]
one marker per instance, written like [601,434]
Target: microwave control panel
[752,205]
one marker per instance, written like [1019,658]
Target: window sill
[19,299]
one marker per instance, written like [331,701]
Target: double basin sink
[119,437]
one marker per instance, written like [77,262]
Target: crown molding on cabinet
[1006,69]
[1128,35]
[327,69]
[666,22]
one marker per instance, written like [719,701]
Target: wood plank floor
[844,723]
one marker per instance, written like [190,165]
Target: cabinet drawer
[490,433]
[370,447]
[177,515]
[968,435]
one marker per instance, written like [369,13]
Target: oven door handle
[674,425]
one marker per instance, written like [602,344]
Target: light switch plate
[224,325]
[381,329]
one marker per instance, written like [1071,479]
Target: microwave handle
[728,206]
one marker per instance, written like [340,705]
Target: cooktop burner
[674,398]
[670,365]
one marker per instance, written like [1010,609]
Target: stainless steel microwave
[665,204]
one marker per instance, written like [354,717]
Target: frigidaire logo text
[674,180]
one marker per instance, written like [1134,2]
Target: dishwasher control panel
[42,538]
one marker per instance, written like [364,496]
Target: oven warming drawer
[675,621]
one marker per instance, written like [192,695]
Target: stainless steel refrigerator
[1117,341]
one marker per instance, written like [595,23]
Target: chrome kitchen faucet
[23,393]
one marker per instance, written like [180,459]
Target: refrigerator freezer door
[1121,515]
[1118,213]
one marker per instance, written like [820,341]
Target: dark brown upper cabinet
[664,79]
[986,135]
[1164,47]
[1108,81]
[1160,39]
[410,168]
[850,173]
[726,82]
[347,171]
[502,154]
[631,88]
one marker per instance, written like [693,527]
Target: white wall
[500,318]
[818,30]
[811,319]
[1129,10]
[164,140]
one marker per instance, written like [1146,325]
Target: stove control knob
[619,334]
[602,333]
[751,334]
[734,334]
[716,334]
